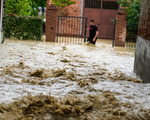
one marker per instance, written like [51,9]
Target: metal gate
[71,29]
[102,12]
[132,32]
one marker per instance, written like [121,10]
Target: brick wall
[72,10]
[144,22]
[120,35]
[69,26]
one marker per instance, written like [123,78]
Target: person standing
[93,32]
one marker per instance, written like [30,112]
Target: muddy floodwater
[51,81]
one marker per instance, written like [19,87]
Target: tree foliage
[39,3]
[24,7]
[125,3]
[18,7]
[133,9]
[134,13]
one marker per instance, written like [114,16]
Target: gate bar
[67,24]
[113,44]
[72,17]
[57,28]
[85,29]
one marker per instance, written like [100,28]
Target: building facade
[101,11]
[142,55]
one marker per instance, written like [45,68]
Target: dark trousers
[91,40]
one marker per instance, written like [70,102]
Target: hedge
[23,27]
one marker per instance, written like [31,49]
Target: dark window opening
[110,5]
[93,4]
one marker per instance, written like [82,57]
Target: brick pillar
[48,3]
[120,35]
[51,22]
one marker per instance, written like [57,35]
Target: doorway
[102,12]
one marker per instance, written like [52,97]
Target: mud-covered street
[51,81]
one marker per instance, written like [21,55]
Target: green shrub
[133,20]
[22,27]
[133,9]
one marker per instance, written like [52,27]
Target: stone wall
[142,54]
[142,59]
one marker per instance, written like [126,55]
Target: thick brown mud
[81,88]
[92,107]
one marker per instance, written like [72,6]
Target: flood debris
[8,70]
[33,82]
[38,73]
[64,48]
[59,72]
[102,69]
[99,73]
[79,61]
[83,83]
[65,60]
[72,76]
[51,53]
[93,79]
[75,92]
[33,48]
[21,64]
[87,81]
[134,80]
[69,85]
[118,75]
[76,65]
[90,44]
[41,73]
[14,70]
